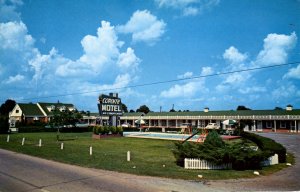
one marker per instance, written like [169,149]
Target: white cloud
[175,3]
[250,90]
[13,36]
[206,71]
[102,49]
[233,55]
[185,75]
[285,91]
[144,27]
[128,59]
[8,10]
[190,11]
[293,73]
[188,7]
[276,47]
[13,79]
[186,90]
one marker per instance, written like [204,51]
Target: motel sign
[110,105]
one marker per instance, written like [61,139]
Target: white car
[212,126]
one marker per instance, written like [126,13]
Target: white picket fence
[203,164]
[190,163]
[273,160]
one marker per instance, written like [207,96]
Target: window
[17,111]
[282,124]
[269,124]
[63,108]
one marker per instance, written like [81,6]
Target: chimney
[289,108]
[206,109]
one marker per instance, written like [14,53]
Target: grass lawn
[148,157]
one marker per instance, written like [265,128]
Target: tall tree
[7,107]
[124,108]
[242,107]
[143,109]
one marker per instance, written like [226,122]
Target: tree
[131,111]
[143,109]
[172,110]
[7,107]
[124,108]
[242,107]
[278,108]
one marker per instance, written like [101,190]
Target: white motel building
[284,120]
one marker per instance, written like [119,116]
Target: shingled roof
[45,105]
[30,110]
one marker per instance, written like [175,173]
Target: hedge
[267,145]
[241,155]
[107,129]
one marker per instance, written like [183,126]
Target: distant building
[40,112]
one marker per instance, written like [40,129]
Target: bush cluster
[214,150]
[267,145]
[107,130]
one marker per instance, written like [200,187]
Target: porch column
[254,125]
[176,123]
[274,125]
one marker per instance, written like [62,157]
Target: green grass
[147,156]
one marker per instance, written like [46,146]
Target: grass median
[148,157]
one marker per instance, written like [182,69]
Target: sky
[73,51]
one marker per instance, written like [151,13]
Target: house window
[63,108]
[269,124]
[282,124]
[17,111]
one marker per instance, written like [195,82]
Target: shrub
[240,155]
[268,146]
[214,139]
[113,129]
[119,130]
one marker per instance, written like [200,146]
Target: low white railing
[190,163]
[203,164]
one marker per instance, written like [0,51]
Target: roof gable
[46,106]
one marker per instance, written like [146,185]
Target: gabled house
[40,112]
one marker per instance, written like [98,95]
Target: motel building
[285,120]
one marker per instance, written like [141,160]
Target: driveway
[19,172]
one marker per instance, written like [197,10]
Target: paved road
[19,172]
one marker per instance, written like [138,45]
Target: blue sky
[58,48]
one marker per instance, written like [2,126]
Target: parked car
[125,125]
[212,126]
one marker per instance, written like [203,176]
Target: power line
[167,81]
